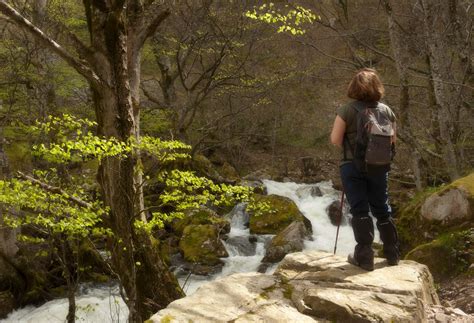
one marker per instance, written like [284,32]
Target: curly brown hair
[366,86]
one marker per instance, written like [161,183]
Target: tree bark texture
[148,284]
[446,87]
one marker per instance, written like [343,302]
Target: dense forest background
[240,92]
[250,86]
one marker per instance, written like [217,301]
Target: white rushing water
[314,208]
[99,304]
[244,256]
[246,251]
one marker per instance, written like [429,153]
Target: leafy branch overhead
[71,209]
[290,19]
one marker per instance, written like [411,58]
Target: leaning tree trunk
[446,88]
[148,283]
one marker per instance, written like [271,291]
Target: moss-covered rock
[200,217]
[94,268]
[201,244]
[448,255]
[284,211]
[167,248]
[414,229]
[451,203]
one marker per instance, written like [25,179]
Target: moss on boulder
[414,229]
[93,266]
[451,203]
[199,217]
[284,212]
[448,255]
[201,244]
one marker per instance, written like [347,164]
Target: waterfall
[314,208]
[245,251]
[104,304]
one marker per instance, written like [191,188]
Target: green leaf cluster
[72,140]
[187,191]
[29,204]
[291,21]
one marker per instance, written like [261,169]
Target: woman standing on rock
[365,184]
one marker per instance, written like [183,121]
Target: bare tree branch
[56,190]
[156,17]
[26,25]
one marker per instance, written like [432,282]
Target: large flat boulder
[248,297]
[316,287]
[327,287]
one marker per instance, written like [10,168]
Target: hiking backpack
[373,144]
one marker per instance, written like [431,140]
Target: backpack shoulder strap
[358,106]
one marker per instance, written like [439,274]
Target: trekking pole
[339,222]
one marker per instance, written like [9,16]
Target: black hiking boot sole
[351,259]
[392,262]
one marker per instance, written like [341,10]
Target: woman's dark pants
[368,192]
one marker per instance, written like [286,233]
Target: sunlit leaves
[73,140]
[52,212]
[187,191]
[290,19]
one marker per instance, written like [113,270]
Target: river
[102,303]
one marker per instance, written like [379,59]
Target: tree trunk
[111,65]
[400,55]
[69,265]
[8,240]
[148,283]
[446,89]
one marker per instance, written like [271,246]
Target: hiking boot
[362,257]
[389,237]
[392,255]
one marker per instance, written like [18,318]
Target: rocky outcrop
[308,190]
[201,244]
[244,245]
[312,287]
[197,237]
[283,212]
[201,216]
[436,211]
[451,204]
[447,256]
[291,239]
[334,213]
